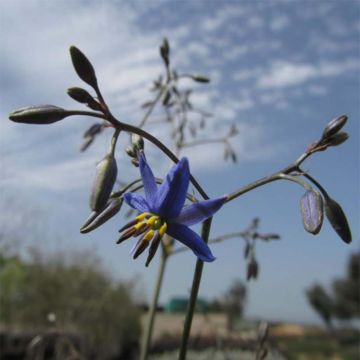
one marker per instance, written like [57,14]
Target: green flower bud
[94,221]
[337,219]
[334,126]
[105,178]
[312,211]
[43,114]
[83,66]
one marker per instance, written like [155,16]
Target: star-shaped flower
[162,211]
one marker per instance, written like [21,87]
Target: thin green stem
[205,232]
[146,340]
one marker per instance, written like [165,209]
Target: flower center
[152,226]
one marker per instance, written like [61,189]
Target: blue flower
[162,211]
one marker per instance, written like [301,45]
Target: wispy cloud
[284,73]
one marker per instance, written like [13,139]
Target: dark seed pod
[334,126]
[337,219]
[105,177]
[312,211]
[43,114]
[112,208]
[200,78]
[83,66]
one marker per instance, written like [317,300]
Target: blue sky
[280,70]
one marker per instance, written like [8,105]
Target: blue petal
[199,211]
[191,240]
[148,179]
[137,202]
[172,192]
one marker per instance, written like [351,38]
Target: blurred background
[280,71]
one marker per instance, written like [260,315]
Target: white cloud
[279,22]
[283,73]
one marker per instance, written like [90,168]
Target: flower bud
[93,130]
[312,211]
[105,177]
[43,114]
[83,66]
[337,139]
[334,126]
[252,269]
[164,51]
[137,142]
[80,95]
[337,219]
[112,208]
[200,78]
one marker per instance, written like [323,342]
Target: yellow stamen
[152,220]
[139,225]
[149,235]
[142,216]
[162,230]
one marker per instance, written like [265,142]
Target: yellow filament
[162,230]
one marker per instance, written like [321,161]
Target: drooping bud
[337,219]
[40,115]
[312,211]
[252,269]
[112,208]
[83,66]
[105,177]
[200,78]
[334,126]
[93,130]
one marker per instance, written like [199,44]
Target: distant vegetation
[71,294]
[343,302]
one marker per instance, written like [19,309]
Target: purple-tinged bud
[83,67]
[312,211]
[106,172]
[334,126]
[200,78]
[337,219]
[112,208]
[40,115]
